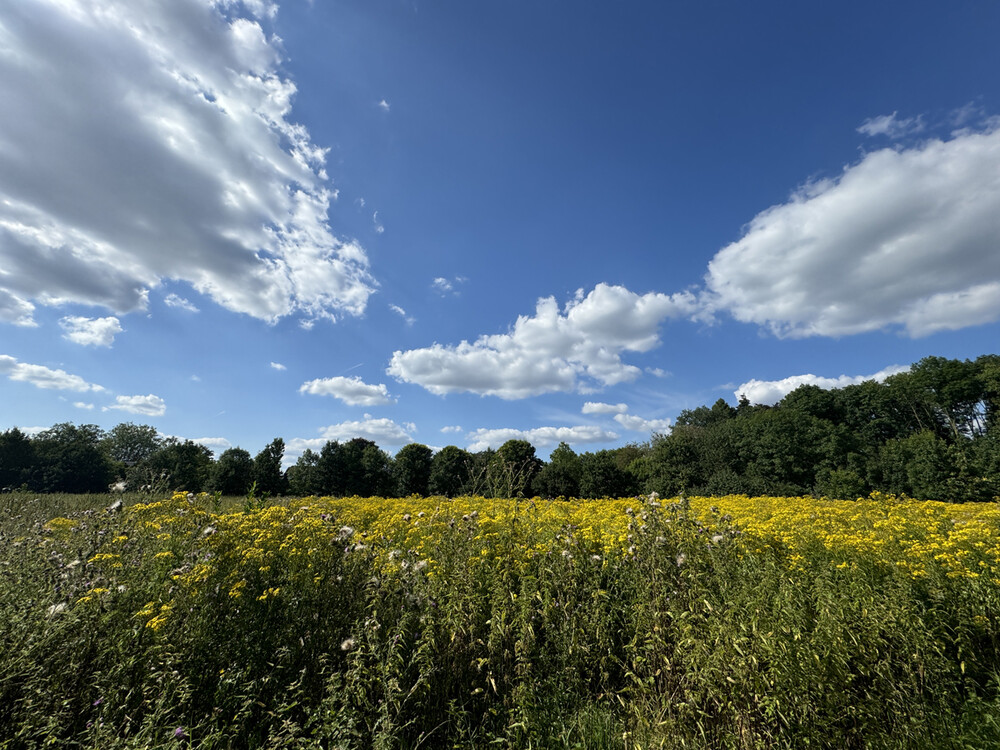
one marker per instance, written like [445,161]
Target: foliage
[412,469]
[233,473]
[266,472]
[727,622]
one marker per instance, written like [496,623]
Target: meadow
[198,621]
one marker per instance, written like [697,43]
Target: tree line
[932,432]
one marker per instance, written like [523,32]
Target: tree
[17,458]
[706,417]
[560,477]
[184,466]
[379,480]
[130,444]
[267,469]
[232,473]
[512,469]
[412,468]
[304,477]
[71,459]
[601,476]
[357,467]
[449,471]
[673,466]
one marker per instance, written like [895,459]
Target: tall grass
[475,623]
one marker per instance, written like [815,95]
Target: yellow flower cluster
[962,540]
[258,554]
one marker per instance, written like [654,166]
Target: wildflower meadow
[197,621]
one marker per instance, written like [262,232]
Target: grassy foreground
[425,623]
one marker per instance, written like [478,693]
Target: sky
[459,223]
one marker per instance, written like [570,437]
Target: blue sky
[461,222]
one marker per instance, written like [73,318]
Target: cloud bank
[539,436]
[144,141]
[576,348]
[905,238]
[771,392]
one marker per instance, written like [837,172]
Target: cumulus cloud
[891,126]
[596,407]
[174,300]
[352,391]
[180,161]
[904,238]
[382,431]
[539,436]
[278,366]
[451,428]
[639,424]
[148,406]
[554,350]
[44,377]
[772,391]
[83,405]
[215,444]
[91,331]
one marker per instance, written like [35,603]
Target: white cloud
[173,300]
[410,320]
[551,351]
[384,105]
[638,424]
[904,238]
[278,366]
[379,228]
[539,436]
[444,286]
[596,407]
[15,310]
[352,391]
[658,372]
[44,377]
[179,162]
[91,331]
[382,431]
[215,444]
[451,428]
[891,126]
[83,405]
[148,406]
[772,391]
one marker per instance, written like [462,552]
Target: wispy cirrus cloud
[179,303]
[892,126]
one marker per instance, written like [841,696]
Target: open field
[736,622]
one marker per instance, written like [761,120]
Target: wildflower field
[726,622]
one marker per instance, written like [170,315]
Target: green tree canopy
[267,471]
[412,469]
